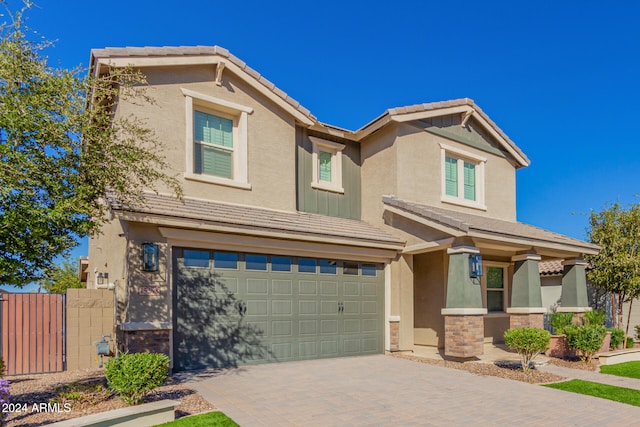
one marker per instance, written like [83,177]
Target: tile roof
[447,104]
[551,268]
[150,51]
[177,51]
[475,224]
[254,218]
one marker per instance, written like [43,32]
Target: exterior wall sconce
[100,279]
[475,266]
[149,257]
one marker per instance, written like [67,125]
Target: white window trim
[239,114]
[505,284]
[335,149]
[478,161]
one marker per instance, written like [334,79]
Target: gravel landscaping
[79,393]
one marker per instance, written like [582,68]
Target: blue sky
[560,78]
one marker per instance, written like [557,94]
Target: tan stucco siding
[420,177]
[271,150]
[378,154]
[106,251]
[635,316]
[429,298]
[494,327]
[551,291]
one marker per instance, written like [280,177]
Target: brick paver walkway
[383,390]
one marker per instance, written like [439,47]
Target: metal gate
[32,331]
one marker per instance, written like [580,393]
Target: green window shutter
[213,161]
[451,176]
[325,166]
[213,129]
[469,181]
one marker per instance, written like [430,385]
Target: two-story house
[299,240]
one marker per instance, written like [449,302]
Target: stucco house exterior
[297,239]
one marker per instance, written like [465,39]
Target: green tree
[616,269]
[63,153]
[61,277]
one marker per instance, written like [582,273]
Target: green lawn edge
[604,391]
[215,418]
[626,369]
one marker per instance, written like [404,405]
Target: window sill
[463,202]
[325,187]
[497,314]
[217,180]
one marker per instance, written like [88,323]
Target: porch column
[464,314]
[526,310]
[573,298]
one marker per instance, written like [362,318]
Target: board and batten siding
[323,202]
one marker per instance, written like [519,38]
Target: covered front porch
[474,278]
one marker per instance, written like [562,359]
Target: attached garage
[233,308]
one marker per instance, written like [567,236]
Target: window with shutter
[462,177]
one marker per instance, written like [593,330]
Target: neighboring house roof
[551,268]
[464,224]
[185,55]
[241,217]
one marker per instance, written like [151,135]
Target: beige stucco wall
[271,135]
[106,251]
[635,316]
[429,298]
[402,298]
[551,291]
[406,162]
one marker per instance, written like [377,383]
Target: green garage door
[237,308]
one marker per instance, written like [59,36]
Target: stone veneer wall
[394,335]
[463,335]
[531,320]
[147,341]
[90,314]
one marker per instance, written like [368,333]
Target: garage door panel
[351,289]
[282,287]
[281,308]
[328,289]
[257,286]
[308,327]
[228,317]
[328,327]
[308,287]
[307,307]
[281,328]
[351,326]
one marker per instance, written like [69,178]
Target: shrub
[630,343]
[528,342]
[5,399]
[617,337]
[638,332]
[559,321]
[586,340]
[133,375]
[2,367]
[594,317]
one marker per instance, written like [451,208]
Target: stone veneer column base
[532,320]
[394,333]
[147,341]
[463,335]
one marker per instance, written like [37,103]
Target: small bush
[2,367]
[617,337]
[638,332]
[585,340]
[559,321]
[528,342]
[594,317]
[133,375]
[5,399]
[630,343]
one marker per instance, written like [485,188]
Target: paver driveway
[384,390]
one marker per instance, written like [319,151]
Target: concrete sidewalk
[384,390]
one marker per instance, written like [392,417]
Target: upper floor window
[462,177]
[216,140]
[327,165]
